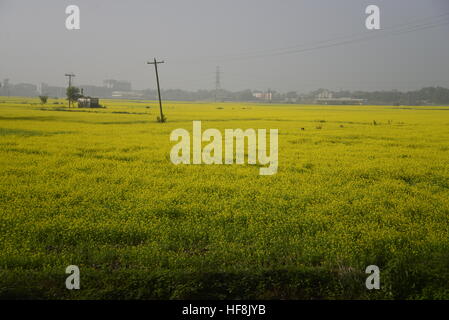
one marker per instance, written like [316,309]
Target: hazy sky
[284,45]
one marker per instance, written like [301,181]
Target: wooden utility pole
[158,88]
[70,75]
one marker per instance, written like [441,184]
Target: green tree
[73,93]
[43,99]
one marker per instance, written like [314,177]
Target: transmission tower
[217,82]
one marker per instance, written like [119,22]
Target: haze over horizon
[258,44]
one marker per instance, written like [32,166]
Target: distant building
[325,94]
[326,97]
[263,95]
[127,94]
[96,91]
[117,85]
[339,101]
[20,89]
[52,91]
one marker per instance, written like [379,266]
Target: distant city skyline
[258,44]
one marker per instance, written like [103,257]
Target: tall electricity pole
[217,82]
[162,119]
[70,75]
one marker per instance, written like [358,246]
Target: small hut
[88,102]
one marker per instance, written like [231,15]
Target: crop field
[356,186]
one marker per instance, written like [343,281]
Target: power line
[410,26]
[366,33]
[344,42]
[413,25]
[397,30]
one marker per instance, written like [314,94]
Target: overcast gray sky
[284,45]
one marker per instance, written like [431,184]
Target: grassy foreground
[95,188]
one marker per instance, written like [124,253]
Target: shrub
[43,99]
[161,120]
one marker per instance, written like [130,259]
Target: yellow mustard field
[356,186]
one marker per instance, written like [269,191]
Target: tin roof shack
[88,102]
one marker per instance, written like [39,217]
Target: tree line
[424,96]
